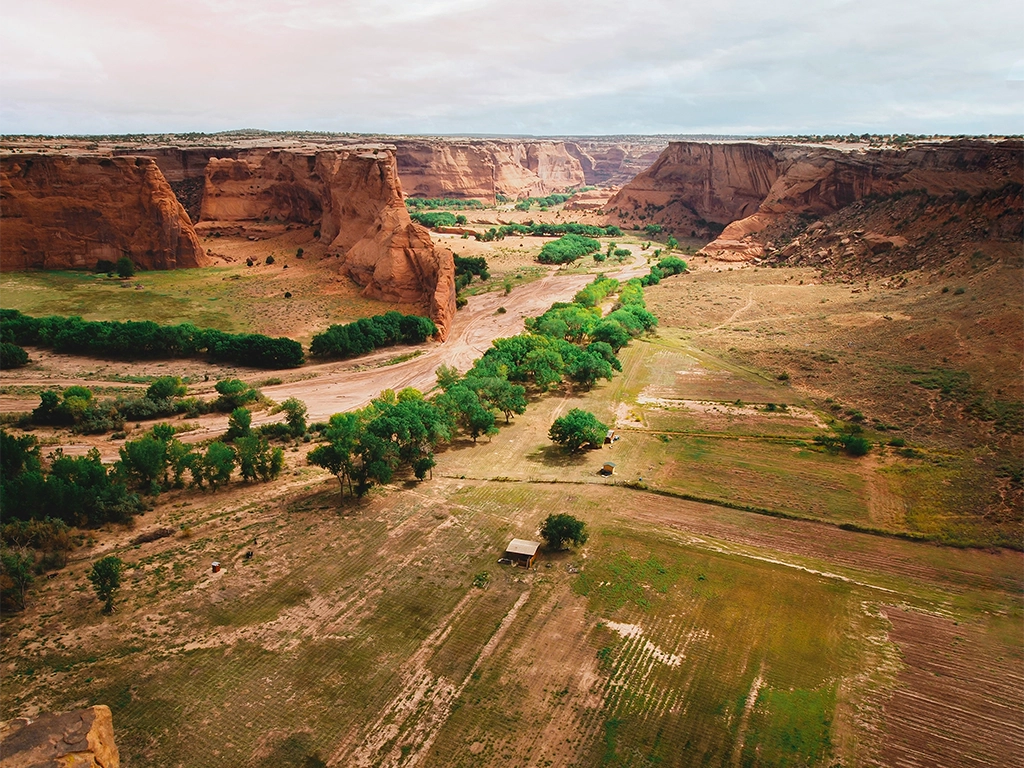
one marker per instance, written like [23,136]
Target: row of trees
[548,230]
[402,430]
[567,249]
[145,339]
[424,203]
[370,333]
[77,408]
[435,219]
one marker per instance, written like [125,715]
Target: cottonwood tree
[105,576]
[576,429]
[560,530]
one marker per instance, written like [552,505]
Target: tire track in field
[419,710]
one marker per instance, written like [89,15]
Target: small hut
[608,468]
[521,552]
[609,437]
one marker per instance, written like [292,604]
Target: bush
[12,356]
[567,249]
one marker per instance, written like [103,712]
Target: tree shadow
[557,456]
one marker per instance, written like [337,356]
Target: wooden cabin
[608,468]
[521,552]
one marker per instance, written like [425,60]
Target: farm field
[730,607]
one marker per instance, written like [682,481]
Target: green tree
[560,530]
[295,416]
[217,464]
[15,577]
[144,461]
[671,243]
[338,456]
[576,429]
[125,268]
[257,460]
[165,388]
[239,424]
[105,576]
[234,393]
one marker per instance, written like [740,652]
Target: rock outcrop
[482,169]
[79,739]
[69,212]
[355,198]
[614,162]
[747,190]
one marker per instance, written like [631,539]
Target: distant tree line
[429,203]
[145,339]
[437,219]
[548,230]
[370,333]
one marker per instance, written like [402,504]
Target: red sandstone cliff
[355,197]
[614,161]
[481,169]
[752,188]
[63,212]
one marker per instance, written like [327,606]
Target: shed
[609,436]
[522,552]
[608,468]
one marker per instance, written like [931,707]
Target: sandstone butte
[80,739]
[752,186]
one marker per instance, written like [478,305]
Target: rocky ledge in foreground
[82,739]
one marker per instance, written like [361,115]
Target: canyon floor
[730,607]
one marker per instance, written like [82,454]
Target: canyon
[745,196]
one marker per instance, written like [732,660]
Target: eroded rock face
[750,188]
[80,739]
[482,169]
[608,162]
[69,212]
[355,197]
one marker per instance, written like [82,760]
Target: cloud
[533,66]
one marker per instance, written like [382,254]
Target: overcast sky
[542,67]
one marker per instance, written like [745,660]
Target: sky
[513,67]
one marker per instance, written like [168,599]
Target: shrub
[12,356]
[567,248]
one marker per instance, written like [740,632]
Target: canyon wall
[746,191]
[82,739]
[481,169]
[69,212]
[614,162]
[354,196]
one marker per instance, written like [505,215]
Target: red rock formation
[481,169]
[691,181]
[365,219]
[355,197]
[83,739]
[63,212]
[613,162]
[752,186]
